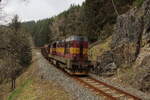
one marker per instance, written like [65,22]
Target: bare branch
[115,8]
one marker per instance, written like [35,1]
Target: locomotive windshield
[77,38]
[81,38]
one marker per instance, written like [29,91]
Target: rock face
[132,32]
[146,19]
[105,64]
[126,42]
[128,28]
[124,54]
[133,26]
[129,54]
[143,75]
[145,83]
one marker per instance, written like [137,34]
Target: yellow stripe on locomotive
[77,51]
[74,50]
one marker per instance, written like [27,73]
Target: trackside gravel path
[48,72]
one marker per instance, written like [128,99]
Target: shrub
[138,3]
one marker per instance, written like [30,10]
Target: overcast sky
[38,9]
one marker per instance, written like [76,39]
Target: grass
[138,3]
[39,90]
[129,75]
[16,92]
[30,87]
[33,88]
[99,49]
[126,74]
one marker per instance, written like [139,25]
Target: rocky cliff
[132,32]
[131,35]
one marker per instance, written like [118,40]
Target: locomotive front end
[79,53]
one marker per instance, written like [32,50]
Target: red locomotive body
[71,54]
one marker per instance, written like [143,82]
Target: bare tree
[15,24]
[2,70]
[115,8]
[15,52]
[9,69]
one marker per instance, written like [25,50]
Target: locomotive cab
[53,48]
[72,54]
[78,54]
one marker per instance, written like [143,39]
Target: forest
[118,32]
[94,19]
[15,51]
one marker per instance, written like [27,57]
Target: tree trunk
[13,84]
[139,42]
[115,8]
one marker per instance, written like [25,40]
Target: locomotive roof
[71,38]
[79,38]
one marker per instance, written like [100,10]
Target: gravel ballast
[128,89]
[49,72]
[78,92]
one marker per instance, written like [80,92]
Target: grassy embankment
[31,87]
[99,48]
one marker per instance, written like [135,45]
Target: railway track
[103,89]
[100,88]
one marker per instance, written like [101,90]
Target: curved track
[100,88]
[103,89]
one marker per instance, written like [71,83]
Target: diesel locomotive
[71,54]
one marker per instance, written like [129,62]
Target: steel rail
[114,88]
[95,89]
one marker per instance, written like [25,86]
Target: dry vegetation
[31,87]
[99,49]
[15,52]
[96,22]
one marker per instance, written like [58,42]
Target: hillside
[32,87]
[118,33]
[119,49]
[128,58]
[94,19]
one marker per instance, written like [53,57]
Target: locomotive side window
[54,48]
[49,48]
[65,46]
[68,48]
[81,46]
[82,39]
